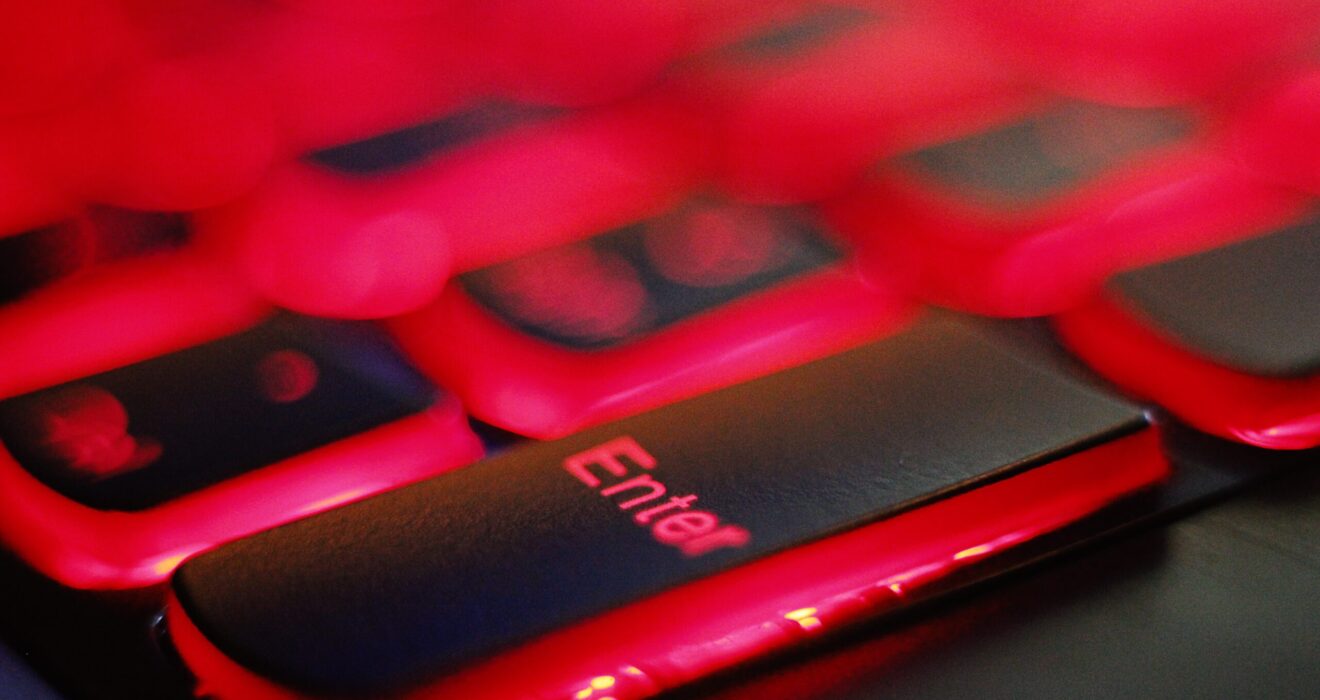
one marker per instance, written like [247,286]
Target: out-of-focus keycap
[33,259]
[577,536]
[201,113]
[801,106]
[381,241]
[1278,132]
[708,293]
[380,9]
[581,52]
[166,139]
[1227,340]
[192,422]
[1132,53]
[53,54]
[326,81]
[1032,216]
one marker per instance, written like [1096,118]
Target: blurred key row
[597,210]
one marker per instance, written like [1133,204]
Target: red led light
[694,630]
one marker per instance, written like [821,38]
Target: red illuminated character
[154,409]
[799,107]
[579,52]
[1031,216]
[86,428]
[707,294]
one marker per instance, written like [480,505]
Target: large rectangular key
[649,551]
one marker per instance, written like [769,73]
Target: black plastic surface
[1253,306]
[1049,154]
[135,437]
[621,285]
[423,580]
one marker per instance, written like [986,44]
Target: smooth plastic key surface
[430,579]
[1228,339]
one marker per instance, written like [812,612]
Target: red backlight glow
[662,642]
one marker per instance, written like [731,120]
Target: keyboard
[576,349]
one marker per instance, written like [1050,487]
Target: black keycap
[424,580]
[138,436]
[1253,306]
[1047,155]
[622,285]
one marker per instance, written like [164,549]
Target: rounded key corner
[119,314]
[533,386]
[708,624]
[1046,243]
[1117,341]
[99,489]
[803,103]
[91,548]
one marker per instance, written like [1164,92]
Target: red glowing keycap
[55,54]
[154,410]
[138,146]
[204,108]
[1227,340]
[1138,53]
[1278,135]
[1032,216]
[371,244]
[376,10]
[800,106]
[690,538]
[582,52]
[324,81]
[699,629]
[32,259]
[86,428]
[709,293]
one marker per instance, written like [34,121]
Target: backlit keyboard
[585,349]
